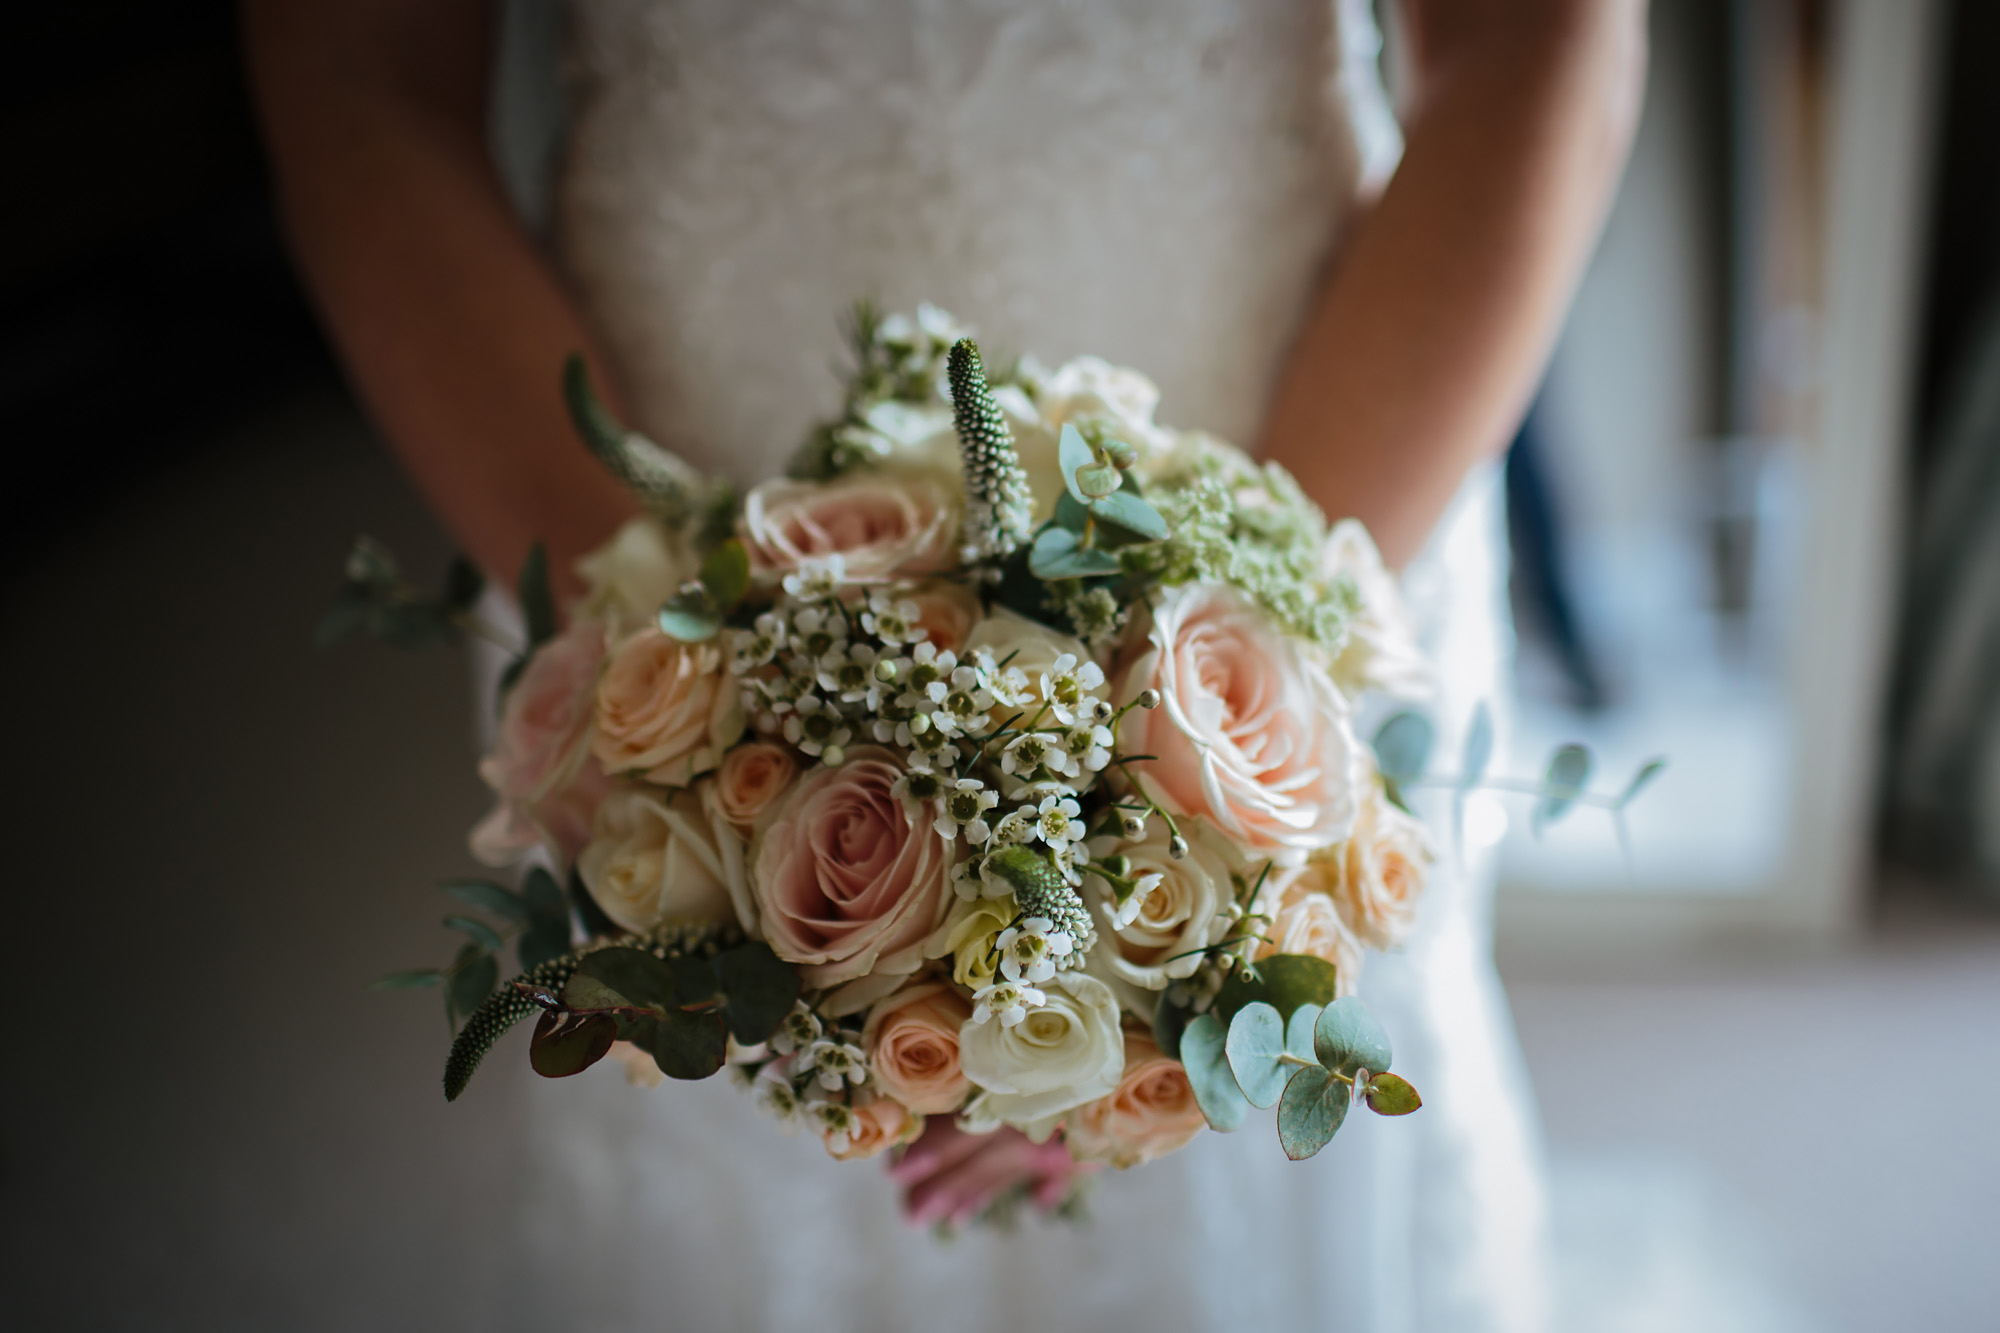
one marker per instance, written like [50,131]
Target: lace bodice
[1153,181]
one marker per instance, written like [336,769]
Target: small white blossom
[966,802]
[817,632]
[815,727]
[755,647]
[918,789]
[837,1122]
[1128,911]
[1066,686]
[1056,821]
[817,578]
[800,1029]
[1031,951]
[1016,827]
[891,621]
[775,1095]
[849,673]
[961,704]
[1009,1001]
[1088,745]
[1009,686]
[837,1063]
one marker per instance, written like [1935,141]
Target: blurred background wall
[1755,526]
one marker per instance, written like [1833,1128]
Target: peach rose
[752,776]
[657,857]
[1149,1114]
[666,710]
[870,1129]
[846,882]
[948,611]
[540,764]
[880,523]
[1381,872]
[1250,733]
[1307,921]
[912,1044]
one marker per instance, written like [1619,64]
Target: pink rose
[912,1044]
[1149,1114]
[847,883]
[880,523]
[1380,873]
[540,764]
[751,778]
[1308,921]
[880,1124]
[1250,732]
[666,710]
[946,610]
[951,1176]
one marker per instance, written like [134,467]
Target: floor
[223,834]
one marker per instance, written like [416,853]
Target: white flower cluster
[816,1065]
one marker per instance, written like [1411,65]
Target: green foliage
[1311,1111]
[1403,748]
[998,504]
[1040,889]
[759,989]
[1124,510]
[473,975]
[1059,554]
[1391,1094]
[1346,1038]
[1204,1055]
[1285,981]
[1072,453]
[378,601]
[1478,748]
[538,600]
[485,894]
[1562,783]
[566,1044]
[664,485]
[1642,779]
[1255,1047]
[482,934]
[497,1013]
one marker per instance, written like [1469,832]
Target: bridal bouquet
[990,779]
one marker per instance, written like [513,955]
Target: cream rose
[846,882]
[1063,1054]
[1251,733]
[1305,920]
[912,1044]
[947,611]
[632,575]
[872,1129]
[752,776]
[1382,870]
[1381,651]
[666,710]
[967,938]
[540,765]
[656,858]
[1186,910]
[881,524]
[1149,1114]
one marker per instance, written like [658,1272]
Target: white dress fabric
[1158,182]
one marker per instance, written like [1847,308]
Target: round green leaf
[1284,981]
[1056,556]
[1310,1112]
[759,989]
[1391,1094]
[587,995]
[1403,747]
[1072,453]
[634,974]
[689,1046]
[566,1044]
[1204,1055]
[1256,1039]
[1127,511]
[726,574]
[1478,748]
[1346,1037]
[1568,771]
[1299,1031]
[689,619]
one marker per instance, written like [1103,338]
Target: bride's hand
[1432,327]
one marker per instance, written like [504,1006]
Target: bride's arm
[452,325]
[1431,330]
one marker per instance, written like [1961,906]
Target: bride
[1214,191]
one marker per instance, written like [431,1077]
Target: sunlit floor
[229,833]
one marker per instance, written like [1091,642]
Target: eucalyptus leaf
[1206,1060]
[726,575]
[1649,770]
[414,979]
[1310,1112]
[689,1046]
[566,1044]
[642,979]
[1299,1031]
[476,974]
[1169,1021]
[1403,747]
[1125,510]
[1391,1094]
[759,989]
[1568,771]
[479,930]
[1478,748]
[1072,453]
[1285,981]
[1255,1041]
[587,994]
[1346,1037]
[691,618]
[1071,513]
[538,600]
[488,896]
[1056,556]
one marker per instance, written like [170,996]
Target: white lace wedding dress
[1155,181]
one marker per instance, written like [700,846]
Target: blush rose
[540,765]
[666,710]
[881,524]
[1149,1114]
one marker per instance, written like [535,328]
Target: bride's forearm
[451,324]
[1428,336]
